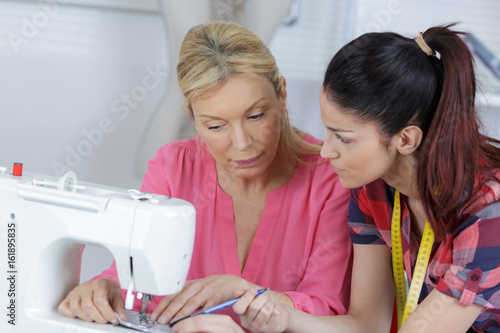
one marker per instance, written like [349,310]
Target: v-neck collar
[263,235]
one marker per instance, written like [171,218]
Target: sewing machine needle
[144,319]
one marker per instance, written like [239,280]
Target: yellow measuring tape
[406,305]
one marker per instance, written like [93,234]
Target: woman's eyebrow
[335,129]
[246,111]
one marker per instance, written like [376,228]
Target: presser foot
[134,322]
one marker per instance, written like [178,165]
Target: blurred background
[89,85]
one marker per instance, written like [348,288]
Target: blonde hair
[212,53]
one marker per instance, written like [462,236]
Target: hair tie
[424,47]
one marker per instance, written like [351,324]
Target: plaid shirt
[466,266]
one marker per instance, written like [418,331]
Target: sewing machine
[43,223]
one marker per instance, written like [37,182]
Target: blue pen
[217,307]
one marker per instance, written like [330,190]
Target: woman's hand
[198,294]
[207,324]
[263,313]
[95,300]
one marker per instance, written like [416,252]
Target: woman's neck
[402,176]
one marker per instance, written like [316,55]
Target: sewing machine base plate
[134,322]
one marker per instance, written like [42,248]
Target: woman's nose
[328,151]
[241,138]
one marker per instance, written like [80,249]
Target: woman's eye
[256,116]
[341,138]
[214,127]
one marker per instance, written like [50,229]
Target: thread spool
[18,169]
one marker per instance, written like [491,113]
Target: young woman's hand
[264,313]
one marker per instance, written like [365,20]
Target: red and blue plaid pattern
[465,266]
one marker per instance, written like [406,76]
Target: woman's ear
[409,139]
[283,81]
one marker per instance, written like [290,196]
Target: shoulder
[375,192]
[315,158]
[181,153]
[308,138]
[315,175]
[371,204]
[187,146]
[484,205]
[186,156]
[311,139]
[175,165]
[483,224]
[369,213]
[313,164]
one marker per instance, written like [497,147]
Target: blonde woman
[270,212]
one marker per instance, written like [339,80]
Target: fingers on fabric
[190,299]
[196,295]
[96,300]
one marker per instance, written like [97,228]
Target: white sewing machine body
[44,223]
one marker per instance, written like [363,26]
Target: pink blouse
[301,247]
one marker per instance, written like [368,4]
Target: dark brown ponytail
[389,79]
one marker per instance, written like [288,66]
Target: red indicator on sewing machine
[18,169]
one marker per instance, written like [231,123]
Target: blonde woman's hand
[198,294]
[95,300]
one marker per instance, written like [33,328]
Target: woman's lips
[247,163]
[337,170]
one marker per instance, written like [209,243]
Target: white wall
[78,86]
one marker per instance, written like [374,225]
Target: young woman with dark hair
[403,134]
